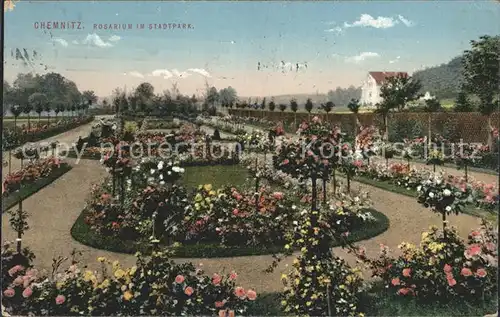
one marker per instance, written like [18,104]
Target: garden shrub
[154,286]
[443,267]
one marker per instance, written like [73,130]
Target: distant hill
[301,98]
[339,96]
[442,81]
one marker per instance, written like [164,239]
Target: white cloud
[395,60]
[114,38]
[94,40]
[200,71]
[60,41]
[361,57]
[75,42]
[180,74]
[135,74]
[405,21]
[367,20]
[162,72]
[336,30]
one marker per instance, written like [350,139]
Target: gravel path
[54,209]
[67,137]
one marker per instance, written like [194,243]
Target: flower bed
[482,198]
[33,177]
[154,286]
[443,268]
[210,222]
[14,137]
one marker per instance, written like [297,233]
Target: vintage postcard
[259,158]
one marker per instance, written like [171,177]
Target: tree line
[48,93]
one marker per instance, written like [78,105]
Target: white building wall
[370,92]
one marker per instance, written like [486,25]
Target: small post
[465,167]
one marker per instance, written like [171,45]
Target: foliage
[294,106]
[463,104]
[443,267]
[443,81]
[309,105]
[271,105]
[282,107]
[354,105]
[481,69]
[401,129]
[342,96]
[154,286]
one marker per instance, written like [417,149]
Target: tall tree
[431,105]
[462,104]
[227,95]
[16,112]
[309,107]
[354,106]
[282,107]
[212,96]
[89,95]
[38,101]
[396,93]
[481,69]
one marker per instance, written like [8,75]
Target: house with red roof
[370,89]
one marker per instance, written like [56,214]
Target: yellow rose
[119,273]
[127,295]
[208,187]
[101,259]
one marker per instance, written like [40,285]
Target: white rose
[181,170]
[431,195]
[438,182]
[448,208]
[447,192]
[161,176]
[169,172]
[152,171]
[162,183]
[419,188]
[160,165]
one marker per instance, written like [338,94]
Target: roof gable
[380,77]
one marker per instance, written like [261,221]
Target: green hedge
[82,233]
[30,189]
[469,209]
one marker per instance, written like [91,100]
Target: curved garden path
[53,210]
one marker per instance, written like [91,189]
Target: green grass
[217,175]
[471,210]
[82,233]
[12,199]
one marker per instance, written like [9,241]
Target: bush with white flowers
[441,196]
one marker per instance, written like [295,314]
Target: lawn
[217,175]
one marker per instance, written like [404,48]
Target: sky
[332,43]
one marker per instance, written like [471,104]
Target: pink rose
[216,279]
[447,268]
[251,294]
[27,292]
[9,292]
[18,281]
[239,292]
[179,279]
[278,195]
[481,272]
[189,291]
[60,299]
[466,272]
[233,276]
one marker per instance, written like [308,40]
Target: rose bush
[154,286]
[443,267]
